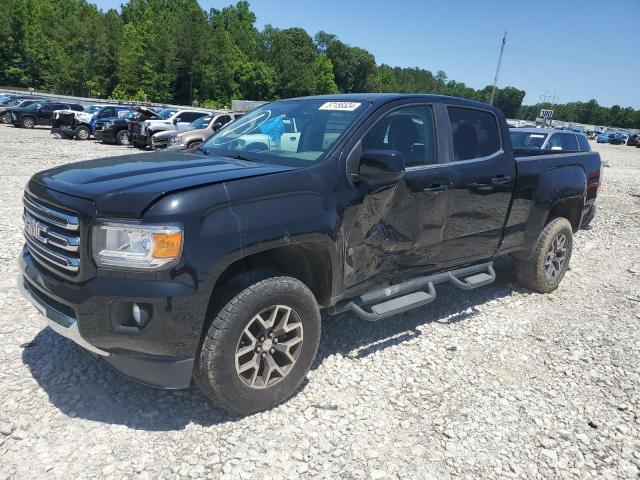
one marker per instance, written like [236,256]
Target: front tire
[82,132]
[260,346]
[5,118]
[28,122]
[544,271]
[122,137]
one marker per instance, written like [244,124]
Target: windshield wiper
[200,149]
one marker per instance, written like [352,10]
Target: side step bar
[382,303]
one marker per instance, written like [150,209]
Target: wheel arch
[310,262]
[569,208]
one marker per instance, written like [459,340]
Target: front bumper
[140,140]
[161,144]
[59,321]
[105,135]
[94,314]
[63,132]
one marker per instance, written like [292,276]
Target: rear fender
[560,193]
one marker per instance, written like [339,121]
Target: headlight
[108,124]
[174,140]
[135,246]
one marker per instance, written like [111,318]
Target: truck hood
[125,186]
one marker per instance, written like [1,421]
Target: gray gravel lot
[498,382]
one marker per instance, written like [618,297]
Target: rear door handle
[500,180]
[435,189]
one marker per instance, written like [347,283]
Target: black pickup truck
[39,113]
[213,264]
[116,130]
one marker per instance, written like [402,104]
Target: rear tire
[260,345]
[122,137]
[544,271]
[28,122]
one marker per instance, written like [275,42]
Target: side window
[107,112]
[49,107]
[223,119]
[409,130]
[475,133]
[554,141]
[197,115]
[569,141]
[584,143]
[187,117]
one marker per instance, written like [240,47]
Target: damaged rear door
[397,229]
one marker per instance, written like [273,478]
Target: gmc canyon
[213,264]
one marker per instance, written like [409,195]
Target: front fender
[228,221]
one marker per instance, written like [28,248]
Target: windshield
[166,113]
[289,132]
[528,140]
[92,108]
[201,122]
[33,106]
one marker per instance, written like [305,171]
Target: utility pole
[495,79]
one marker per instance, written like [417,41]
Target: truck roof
[380,98]
[543,130]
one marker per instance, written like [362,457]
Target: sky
[575,50]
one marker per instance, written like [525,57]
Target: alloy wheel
[556,257]
[269,347]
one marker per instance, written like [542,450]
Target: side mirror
[175,121]
[217,126]
[380,166]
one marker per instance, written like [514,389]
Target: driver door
[395,230]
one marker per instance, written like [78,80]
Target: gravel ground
[498,382]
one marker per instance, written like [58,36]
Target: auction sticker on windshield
[342,106]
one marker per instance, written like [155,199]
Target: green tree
[292,53]
[509,100]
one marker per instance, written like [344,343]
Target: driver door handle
[435,189]
[500,180]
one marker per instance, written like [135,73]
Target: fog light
[140,315]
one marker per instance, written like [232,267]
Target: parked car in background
[5,112]
[172,119]
[39,113]
[195,133]
[10,99]
[618,139]
[531,139]
[211,266]
[116,129]
[634,140]
[83,123]
[604,137]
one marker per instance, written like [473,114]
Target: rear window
[475,133]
